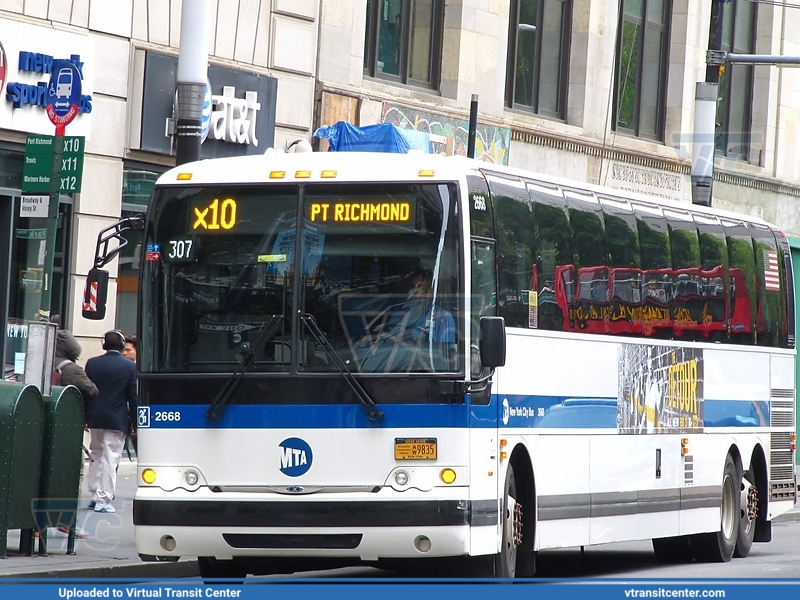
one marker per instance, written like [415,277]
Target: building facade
[262,58]
[601,92]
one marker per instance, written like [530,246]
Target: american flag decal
[771,278]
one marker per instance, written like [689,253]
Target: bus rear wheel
[749,512]
[505,562]
[212,568]
[719,546]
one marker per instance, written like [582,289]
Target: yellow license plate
[415,449]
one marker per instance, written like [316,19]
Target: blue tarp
[384,137]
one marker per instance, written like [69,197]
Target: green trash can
[62,456]
[21,436]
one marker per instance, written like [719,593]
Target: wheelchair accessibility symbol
[143,416]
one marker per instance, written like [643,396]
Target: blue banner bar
[394,589]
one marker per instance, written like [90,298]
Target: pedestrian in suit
[110,417]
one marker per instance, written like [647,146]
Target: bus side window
[654,246]
[714,264]
[552,251]
[742,281]
[590,257]
[787,291]
[769,316]
[687,307]
[514,235]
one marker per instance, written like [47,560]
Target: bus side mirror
[95,295]
[493,342]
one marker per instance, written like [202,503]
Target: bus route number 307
[415,449]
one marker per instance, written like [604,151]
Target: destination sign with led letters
[217,214]
[360,212]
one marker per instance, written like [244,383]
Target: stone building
[595,91]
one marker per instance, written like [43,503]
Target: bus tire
[212,568]
[505,562]
[749,513]
[673,550]
[719,546]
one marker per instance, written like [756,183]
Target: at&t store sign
[45,75]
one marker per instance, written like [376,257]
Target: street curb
[142,570]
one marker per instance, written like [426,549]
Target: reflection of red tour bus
[741,318]
[635,301]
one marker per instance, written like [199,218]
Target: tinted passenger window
[514,234]
[552,251]
[768,276]
[743,296]
[657,291]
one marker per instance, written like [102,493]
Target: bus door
[482,403]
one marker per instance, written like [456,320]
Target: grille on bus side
[781,457]
[781,408]
[781,467]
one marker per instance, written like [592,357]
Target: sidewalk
[108,550]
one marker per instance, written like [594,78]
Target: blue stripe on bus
[507,411]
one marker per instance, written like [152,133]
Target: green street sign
[38,168]
[71,171]
[32,234]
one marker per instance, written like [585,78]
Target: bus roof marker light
[302,174]
[328,174]
[149,476]
[277,174]
[184,176]
[426,172]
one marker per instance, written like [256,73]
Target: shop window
[26,276]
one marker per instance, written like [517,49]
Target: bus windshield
[374,288]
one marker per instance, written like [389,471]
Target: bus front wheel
[719,546]
[505,562]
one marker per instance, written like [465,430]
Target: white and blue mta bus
[583,366]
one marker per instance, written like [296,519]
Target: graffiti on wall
[451,135]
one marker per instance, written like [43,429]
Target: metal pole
[192,79]
[703,147]
[52,227]
[715,37]
[473,126]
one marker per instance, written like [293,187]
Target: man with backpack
[67,371]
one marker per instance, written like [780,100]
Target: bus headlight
[401,478]
[191,478]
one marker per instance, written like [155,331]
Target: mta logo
[295,456]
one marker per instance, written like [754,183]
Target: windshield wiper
[373,412]
[248,352]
